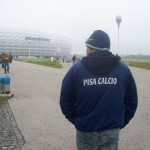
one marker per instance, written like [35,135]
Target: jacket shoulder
[77,66]
[124,67]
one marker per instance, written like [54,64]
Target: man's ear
[89,50]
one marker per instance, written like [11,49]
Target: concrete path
[37,112]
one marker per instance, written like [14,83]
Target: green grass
[142,64]
[3,100]
[43,62]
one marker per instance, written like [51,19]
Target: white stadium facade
[35,43]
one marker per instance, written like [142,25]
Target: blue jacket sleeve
[67,96]
[131,99]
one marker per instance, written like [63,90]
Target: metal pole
[118,39]
[118,20]
[29,55]
[29,52]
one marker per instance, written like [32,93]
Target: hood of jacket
[100,62]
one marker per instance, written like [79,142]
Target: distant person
[10,57]
[2,61]
[6,62]
[98,96]
[118,56]
[0,58]
[73,59]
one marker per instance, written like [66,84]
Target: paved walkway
[10,135]
[38,116]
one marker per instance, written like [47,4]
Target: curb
[7,95]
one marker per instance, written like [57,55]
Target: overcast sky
[79,18]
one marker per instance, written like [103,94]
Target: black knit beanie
[99,40]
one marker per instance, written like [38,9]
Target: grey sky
[79,18]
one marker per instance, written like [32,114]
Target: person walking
[99,96]
[6,62]
[74,59]
[2,61]
[10,57]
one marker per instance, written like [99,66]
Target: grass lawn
[3,100]
[43,62]
[142,64]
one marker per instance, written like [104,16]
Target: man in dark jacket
[98,95]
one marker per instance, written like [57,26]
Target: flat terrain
[37,112]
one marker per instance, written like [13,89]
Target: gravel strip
[10,136]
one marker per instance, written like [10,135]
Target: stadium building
[35,43]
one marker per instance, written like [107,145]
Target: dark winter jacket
[98,93]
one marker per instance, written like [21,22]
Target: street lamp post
[29,55]
[118,20]
[58,52]
[29,52]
